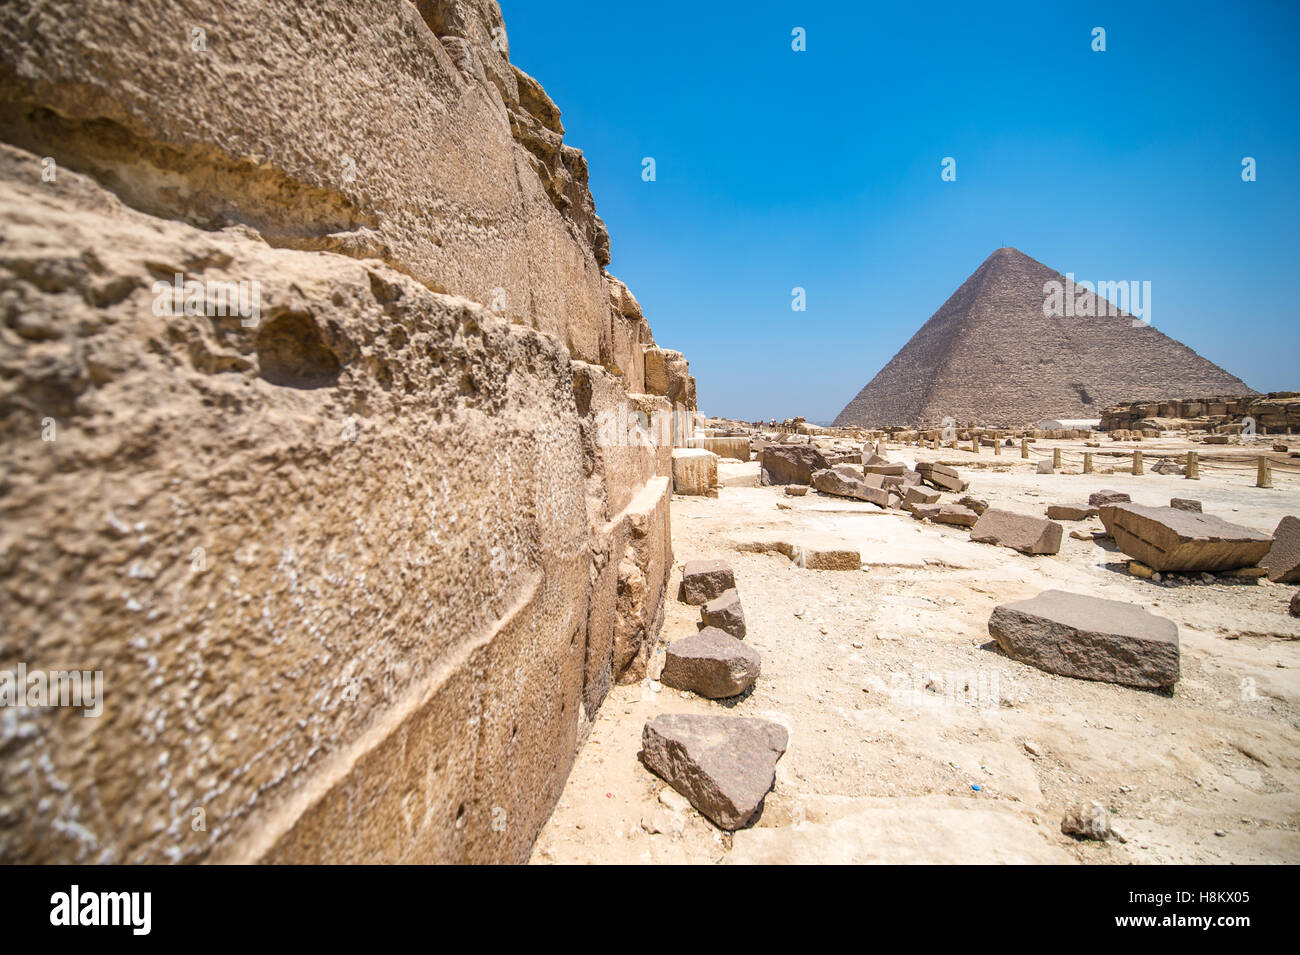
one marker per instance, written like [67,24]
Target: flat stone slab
[1283,560]
[1089,638]
[711,663]
[725,765]
[1045,467]
[1022,532]
[725,613]
[1168,539]
[1098,498]
[1070,512]
[703,580]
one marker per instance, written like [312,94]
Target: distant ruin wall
[308,360]
[1274,413]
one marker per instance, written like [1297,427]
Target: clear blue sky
[821,169]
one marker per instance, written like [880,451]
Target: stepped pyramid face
[991,356]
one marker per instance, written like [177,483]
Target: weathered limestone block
[452,179]
[1186,504]
[301,499]
[355,544]
[621,452]
[712,663]
[1169,539]
[668,373]
[1089,638]
[790,463]
[695,471]
[725,765]
[653,416]
[737,448]
[703,580]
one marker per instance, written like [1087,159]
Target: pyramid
[990,356]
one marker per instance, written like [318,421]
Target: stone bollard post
[1024,447]
[1087,462]
[1264,477]
[1193,466]
[1137,462]
[1056,458]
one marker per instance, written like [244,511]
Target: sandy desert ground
[914,739]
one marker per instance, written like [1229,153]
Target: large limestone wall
[358,568]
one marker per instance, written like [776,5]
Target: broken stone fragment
[955,515]
[703,580]
[1098,498]
[1089,638]
[1139,569]
[711,663]
[1283,559]
[725,765]
[1045,467]
[974,503]
[725,613]
[1171,540]
[941,476]
[919,495]
[1294,607]
[925,512]
[846,480]
[796,490]
[1185,504]
[1022,532]
[1087,821]
[1070,512]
